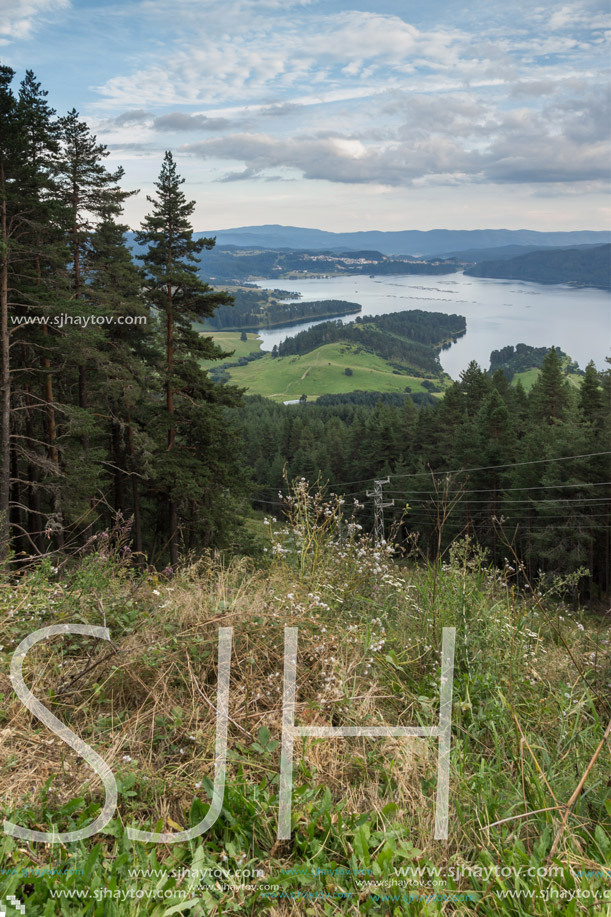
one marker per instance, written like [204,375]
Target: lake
[498,312]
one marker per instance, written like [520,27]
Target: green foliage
[515,477]
[261,309]
[410,338]
[91,362]
[586,266]
[521,358]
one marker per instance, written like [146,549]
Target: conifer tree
[550,395]
[87,190]
[42,293]
[126,362]
[174,288]
[8,152]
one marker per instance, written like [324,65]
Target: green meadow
[230,341]
[323,371]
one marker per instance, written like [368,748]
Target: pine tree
[550,395]
[175,289]
[126,363]
[87,190]
[42,293]
[591,397]
[9,150]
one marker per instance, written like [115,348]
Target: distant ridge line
[400,242]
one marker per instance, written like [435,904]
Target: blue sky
[339,115]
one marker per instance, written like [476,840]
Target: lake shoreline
[498,312]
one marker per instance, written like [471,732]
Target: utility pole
[378,508]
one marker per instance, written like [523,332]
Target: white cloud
[453,139]
[19,18]
[283,89]
[338,159]
[228,51]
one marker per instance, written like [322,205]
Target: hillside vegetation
[486,451]
[319,372]
[581,266]
[387,353]
[256,308]
[529,711]
[235,264]
[523,363]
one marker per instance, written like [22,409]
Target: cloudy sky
[343,115]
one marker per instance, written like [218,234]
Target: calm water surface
[498,312]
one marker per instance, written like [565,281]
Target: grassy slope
[321,372]
[530,376]
[525,726]
[527,378]
[230,340]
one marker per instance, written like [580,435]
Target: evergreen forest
[108,414]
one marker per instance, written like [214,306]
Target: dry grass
[151,704]
[524,723]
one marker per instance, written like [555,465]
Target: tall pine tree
[192,473]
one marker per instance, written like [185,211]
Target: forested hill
[523,357]
[231,264]
[411,338]
[253,309]
[532,465]
[585,266]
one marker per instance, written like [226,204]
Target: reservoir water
[498,312]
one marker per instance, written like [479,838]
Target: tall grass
[531,696]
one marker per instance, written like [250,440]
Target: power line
[483,517]
[505,490]
[566,458]
[426,504]
[501,502]
[428,474]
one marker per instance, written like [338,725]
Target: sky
[344,115]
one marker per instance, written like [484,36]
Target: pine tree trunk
[82,373]
[52,443]
[33,495]
[172,512]
[173,521]
[608,553]
[135,492]
[5,379]
[82,401]
[15,517]
[118,469]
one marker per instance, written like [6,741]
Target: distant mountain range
[589,266]
[405,242]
